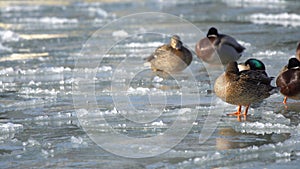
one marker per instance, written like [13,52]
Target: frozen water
[120,33]
[285,19]
[52,105]
[10,127]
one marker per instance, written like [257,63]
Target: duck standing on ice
[170,58]
[216,48]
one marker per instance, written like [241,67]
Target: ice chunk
[50,20]
[105,68]
[10,127]
[142,45]
[138,90]
[262,128]
[120,34]
[78,141]
[284,19]
[157,79]
[99,11]
[9,36]
[159,123]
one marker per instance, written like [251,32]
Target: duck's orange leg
[246,110]
[284,100]
[237,113]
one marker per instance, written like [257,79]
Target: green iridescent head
[255,64]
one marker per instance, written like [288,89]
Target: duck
[218,49]
[170,58]
[242,88]
[288,80]
[253,64]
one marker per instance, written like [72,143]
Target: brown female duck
[242,88]
[173,57]
[289,80]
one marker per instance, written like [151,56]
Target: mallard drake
[173,57]
[218,47]
[253,64]
[288,80]
[242,88]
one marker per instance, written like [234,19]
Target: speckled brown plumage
[173,57]
[242,88]
[289,80]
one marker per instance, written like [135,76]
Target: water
[55,106]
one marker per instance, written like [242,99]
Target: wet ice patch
[256,3]
[105,68]
[10,127]
[158,123]
[78,142]
[98,11]
[49,20]
[50,70]
[150,91]
[139,91]
[31,143]
[269,54]
[27,90]
[142,45]
[285,19]
[8,36]
[262,128]
[270,123]
[5,49]
[120,34]
[157,79]
[271,117]
[21,8]
[247,45]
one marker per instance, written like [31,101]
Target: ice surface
[285,19]
[20,8]
[97,10]
[120,34]
[270,123]
[256,3]
[105,68]
[269,53]
[262,128]
[31,143]
[158,123]
[50,20]
[38,92]
[10,127]
[4,48]
[143,45]
[8,36]
[78,142]
[157,79]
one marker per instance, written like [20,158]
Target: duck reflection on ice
[228,138]
[291,111]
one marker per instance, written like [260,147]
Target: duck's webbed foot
[237,113]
